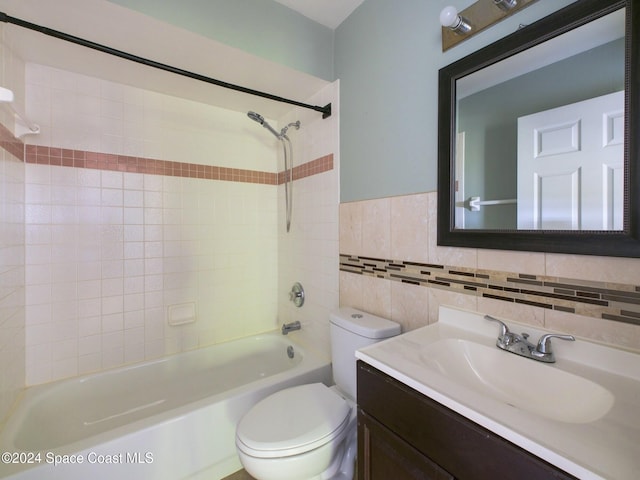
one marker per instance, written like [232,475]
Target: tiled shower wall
[309,252]
[391,266]
[12,283]
[12,311]
[110,246]
[108,252]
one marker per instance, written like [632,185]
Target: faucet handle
[544,344]
[503,327]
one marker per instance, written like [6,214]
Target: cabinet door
[386,456]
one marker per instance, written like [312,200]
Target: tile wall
[12,251]
[136,202]
[108,252]
[391,266]
[309,252]
[12,282]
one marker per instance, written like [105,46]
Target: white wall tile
[308,253]
[13,274]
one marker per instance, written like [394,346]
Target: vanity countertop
[607,447]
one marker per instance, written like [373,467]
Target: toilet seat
[293,421]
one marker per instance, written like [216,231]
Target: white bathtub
[170,419]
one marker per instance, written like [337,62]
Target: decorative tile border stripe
[11,144]
[618,302]
[319,165]
[124,163]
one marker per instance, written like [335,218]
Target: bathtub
[172,418]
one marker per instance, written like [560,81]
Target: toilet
[308,432]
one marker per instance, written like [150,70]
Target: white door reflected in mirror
[571,166]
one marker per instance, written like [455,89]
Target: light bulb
[449,17]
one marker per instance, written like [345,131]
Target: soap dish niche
[181,313]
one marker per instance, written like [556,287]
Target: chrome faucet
[518,344]
[290,327]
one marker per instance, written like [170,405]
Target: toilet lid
[293,421]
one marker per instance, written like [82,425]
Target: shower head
[256,117]
[260,119]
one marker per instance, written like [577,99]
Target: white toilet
[308,432]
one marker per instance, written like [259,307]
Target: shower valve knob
[296,295]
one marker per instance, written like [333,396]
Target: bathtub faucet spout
[290,327]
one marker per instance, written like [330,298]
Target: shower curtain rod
[326,110]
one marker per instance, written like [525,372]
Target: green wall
[261,27]
[387,57]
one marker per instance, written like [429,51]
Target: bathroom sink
[579,413]
[525,384]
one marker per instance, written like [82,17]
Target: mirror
[532,147]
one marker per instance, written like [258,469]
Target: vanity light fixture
[458,26]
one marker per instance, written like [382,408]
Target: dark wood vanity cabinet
[404,435]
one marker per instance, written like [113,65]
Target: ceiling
[329,13]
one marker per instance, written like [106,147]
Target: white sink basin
[522,383]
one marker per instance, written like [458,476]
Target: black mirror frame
[624,243]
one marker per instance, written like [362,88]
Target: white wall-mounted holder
[458,26]
[21,126]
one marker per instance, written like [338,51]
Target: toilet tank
[352,329]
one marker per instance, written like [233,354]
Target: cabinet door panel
[386,456]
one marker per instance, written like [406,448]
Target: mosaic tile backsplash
[618,302]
